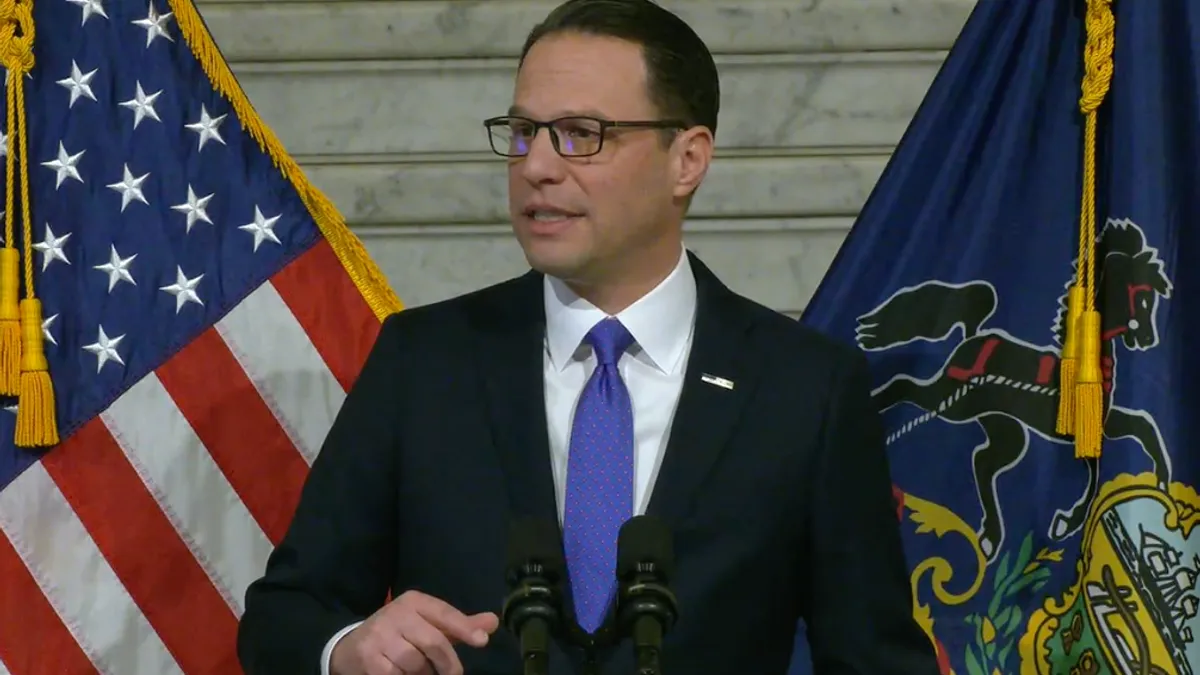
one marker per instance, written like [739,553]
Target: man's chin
[561,263]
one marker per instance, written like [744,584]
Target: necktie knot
[609,338]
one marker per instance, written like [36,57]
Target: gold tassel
[10,326]
[1066,371]
[1089,389]
[36,420]
[16,53]
[1089,392]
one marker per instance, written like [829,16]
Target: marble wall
[381,102]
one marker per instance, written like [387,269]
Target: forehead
[572,73]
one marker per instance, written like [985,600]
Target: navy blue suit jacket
[777,492]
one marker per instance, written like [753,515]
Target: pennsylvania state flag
[1024,279]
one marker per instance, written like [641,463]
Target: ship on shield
[1135,609]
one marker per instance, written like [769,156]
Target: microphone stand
[591,665]
[531,610]
[648,608]
[647,631]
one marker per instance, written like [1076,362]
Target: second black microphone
[533,608]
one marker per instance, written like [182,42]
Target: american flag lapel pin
[718,381]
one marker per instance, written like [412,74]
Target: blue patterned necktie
[599,477]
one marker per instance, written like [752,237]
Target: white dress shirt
[662,324]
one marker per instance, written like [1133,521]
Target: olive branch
[996,631]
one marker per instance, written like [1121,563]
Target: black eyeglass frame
[549,125]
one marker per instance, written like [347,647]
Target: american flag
[204,313]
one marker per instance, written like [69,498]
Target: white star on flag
[52,248]
[89,8]
[130,188]
[117,269]
[184,289]
[64,166]
[79,84]
[105,349]
[142,105]
[49,321]
[155,25]
[207,127]
[194,208]
[262,228]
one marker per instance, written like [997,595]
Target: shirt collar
[660,321]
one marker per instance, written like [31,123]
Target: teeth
[550,215]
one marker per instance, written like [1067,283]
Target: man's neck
[613,296]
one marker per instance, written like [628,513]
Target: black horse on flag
[1009,386]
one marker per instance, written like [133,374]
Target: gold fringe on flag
[1089,390]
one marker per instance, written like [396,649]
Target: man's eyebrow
[518,111]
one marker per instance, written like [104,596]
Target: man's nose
[542,164]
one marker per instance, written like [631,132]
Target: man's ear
[692,152]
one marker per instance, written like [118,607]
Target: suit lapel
[510,351]
[721,373]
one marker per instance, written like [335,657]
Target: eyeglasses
[511,136]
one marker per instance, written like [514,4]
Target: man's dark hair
[682,77]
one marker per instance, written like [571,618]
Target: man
[754,439]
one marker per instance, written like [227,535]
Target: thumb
[485,621]
[482,626]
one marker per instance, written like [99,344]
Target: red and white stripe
[128,549]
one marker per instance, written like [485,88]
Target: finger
[488,622]
[453,623]
[380,664]
[434,645]
[405,657]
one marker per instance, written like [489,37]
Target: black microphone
[534,571]
[646,607]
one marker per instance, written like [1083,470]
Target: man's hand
[413,635]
